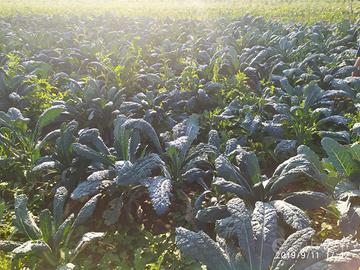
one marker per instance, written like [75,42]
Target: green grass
[308,11]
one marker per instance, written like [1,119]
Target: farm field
[220,135]
[308,11]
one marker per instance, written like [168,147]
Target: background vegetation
[211,97]
[308,11]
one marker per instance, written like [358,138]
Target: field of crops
[142,136]
[309,11]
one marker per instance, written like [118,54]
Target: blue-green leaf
[291,214]
[200,246]
[60,198]
[265,229]
[159,189]
[86,211]
[24,221]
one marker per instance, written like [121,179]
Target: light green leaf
[2,209]
[46,118]
[63,230]
[355,152]
[339,156]
[46,224]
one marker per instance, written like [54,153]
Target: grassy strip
[308,11]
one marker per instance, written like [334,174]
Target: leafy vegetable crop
[221,138]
